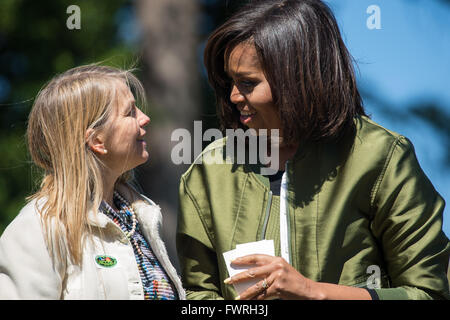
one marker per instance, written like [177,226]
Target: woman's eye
[247,84]
[131,112]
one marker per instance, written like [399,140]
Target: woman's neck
[109,181]
[283,153]
[286,153]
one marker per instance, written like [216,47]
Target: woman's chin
[145,156]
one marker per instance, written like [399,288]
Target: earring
[105,151]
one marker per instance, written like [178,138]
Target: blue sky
[405,62]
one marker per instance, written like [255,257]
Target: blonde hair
[70,104]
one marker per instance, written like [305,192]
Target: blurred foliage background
[164,39]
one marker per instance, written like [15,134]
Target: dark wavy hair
[305,61]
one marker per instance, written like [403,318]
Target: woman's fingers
[256,290]
[250,274]
[265,265]
[267,269]
[258,260]
[263,290]
[275,279]
[253,259]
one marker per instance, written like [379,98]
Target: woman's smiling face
[250,91]
[125,138]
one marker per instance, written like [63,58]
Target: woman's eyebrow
[239,73]
[244,74]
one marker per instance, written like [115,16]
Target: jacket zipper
[288,222]
[266,220]
[266,217]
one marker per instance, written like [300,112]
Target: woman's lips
[143,142]
[246,118]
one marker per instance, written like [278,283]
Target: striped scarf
[155,281]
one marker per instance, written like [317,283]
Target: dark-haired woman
[351,213]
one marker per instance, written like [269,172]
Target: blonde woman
[86,233]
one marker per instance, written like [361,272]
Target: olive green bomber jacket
[364,202]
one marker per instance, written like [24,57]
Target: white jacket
[28,272]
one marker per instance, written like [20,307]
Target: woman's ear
[95,142]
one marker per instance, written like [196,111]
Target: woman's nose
[235,95]
[143,119]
